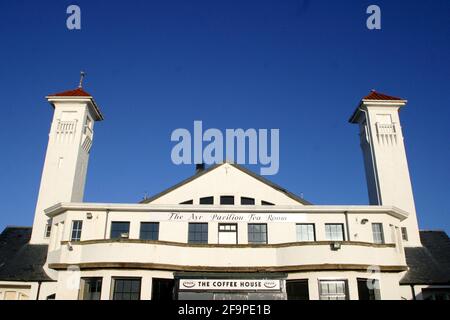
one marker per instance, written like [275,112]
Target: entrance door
[227,233]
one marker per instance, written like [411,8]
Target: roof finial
[82,75]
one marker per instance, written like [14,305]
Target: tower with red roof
[385,161]
[66,161]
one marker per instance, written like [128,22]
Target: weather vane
[82,75]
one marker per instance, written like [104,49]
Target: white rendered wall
[66,161]
[387,173]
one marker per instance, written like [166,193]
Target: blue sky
[154,66]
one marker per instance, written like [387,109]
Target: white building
[225,232]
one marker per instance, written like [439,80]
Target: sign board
[229,217]
[229,285]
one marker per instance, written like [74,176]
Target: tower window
[48,230]
[404,234]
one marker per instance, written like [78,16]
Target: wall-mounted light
[364,221]
[69,246]
[335,245]
[89,215]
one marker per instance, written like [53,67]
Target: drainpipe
[38,290]
[347,227]
[106,223]
[375,173]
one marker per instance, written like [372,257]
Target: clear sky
[154,66]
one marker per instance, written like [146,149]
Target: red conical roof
[78,92]
[373,95]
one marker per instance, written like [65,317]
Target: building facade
[226,232]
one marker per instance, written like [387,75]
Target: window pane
[76,230]
[404,233]
[127,289]
[305,232]
[333,290]
[227,200]
[377,230]
[149,231]
[257,233]
[198,233]
[117,228]
[368,289]
[247,201]
[334,232]
[207,200]
[90,288]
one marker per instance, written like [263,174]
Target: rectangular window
[297,289]
[90,289]
[227,200]
[404,234]
[149,231]
[257,233]
[266,203]
[305,232]
[207,200]
[334,231]
[377,231]
[126,289]
[247,201]
[188,202]
[48,230]
[119,229]
[198,233]
[368,289]
[77,225]
[228,233]
[333,290]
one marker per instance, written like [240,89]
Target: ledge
[256,246]
[307,209]
[168,267]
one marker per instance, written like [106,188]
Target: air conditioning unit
[124,235]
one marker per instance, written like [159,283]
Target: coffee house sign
[228,217]
[229,285]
